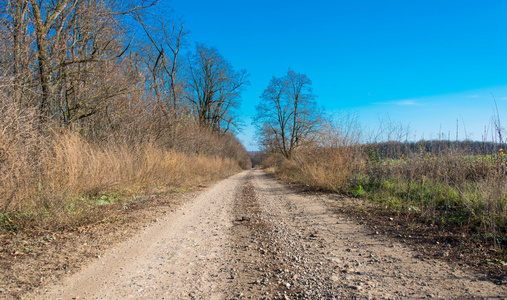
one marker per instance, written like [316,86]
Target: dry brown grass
[452,188]
[58,178]
[459,184]
[86,168]
[330,169]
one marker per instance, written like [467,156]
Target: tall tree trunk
[19,11]
[41,31]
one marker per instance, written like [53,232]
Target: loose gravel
[251,237]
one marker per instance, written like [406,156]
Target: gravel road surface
[251,237]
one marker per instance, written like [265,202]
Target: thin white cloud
[407,103]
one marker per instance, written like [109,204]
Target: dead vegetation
[59,178]
[453,193]
[92,114]
[33,258]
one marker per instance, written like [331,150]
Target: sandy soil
[250,237]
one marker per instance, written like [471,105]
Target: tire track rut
[250,237]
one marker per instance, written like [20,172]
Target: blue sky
[423,64]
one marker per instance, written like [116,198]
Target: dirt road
[250,237]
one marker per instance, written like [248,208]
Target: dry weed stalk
[458,183]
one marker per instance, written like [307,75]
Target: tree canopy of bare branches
[62,54]
[287,115]
[167,38]
[115,69]
[214,89]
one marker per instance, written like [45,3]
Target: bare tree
[74,41]
[287,116]
[167,38]
[15,51]
[214,89]
[274,112]
[42,29]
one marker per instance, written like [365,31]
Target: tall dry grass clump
[54,178]
[88,168]
[23,148]
[456,183]
[330,163]
[329,169]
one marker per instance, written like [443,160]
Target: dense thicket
[101,94]
[81,66]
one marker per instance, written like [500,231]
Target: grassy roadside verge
[69,192]
[30,259]
[451,206]
[82,198]
[72,182]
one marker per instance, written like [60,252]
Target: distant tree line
[406,149]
